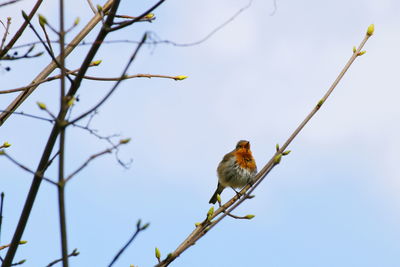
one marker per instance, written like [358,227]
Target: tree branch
[234,202]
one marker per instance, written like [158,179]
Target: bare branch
[1,211]
[125,24]
[7,27]
[74,253]
[205,38]
[139,228]
[27,169]
[92,157]
[234,202]
[9,3]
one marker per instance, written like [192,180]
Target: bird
[237,169]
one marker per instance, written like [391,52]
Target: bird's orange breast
[245,159]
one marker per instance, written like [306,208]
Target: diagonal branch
[139,228]
[234,202]
[27,169]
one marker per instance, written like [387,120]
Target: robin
[236,169]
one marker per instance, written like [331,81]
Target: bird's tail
[219,190]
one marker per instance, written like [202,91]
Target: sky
[333,201]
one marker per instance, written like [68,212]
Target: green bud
[42,21]
[219,198]
[250,216]
[277,158]
[41,105]
[210,213]
[6,144]
[371,29]
[124,141]
[21,262]
[99,8]
[71,102]
[287,152]
[320,103]
[180,77]
[96,62]
[2,152]
[23,242]
[158,253]
[277,147]
[149,16]
[24,15]
[76,21]
[145,226]
[362,53]
[354,49]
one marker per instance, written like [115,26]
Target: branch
[176,78]
[42,81]
[139,228]
[1,211]
[7,27]
[74,253]
[94,156]
[127,23]
[213,218]
[26,168]
[9,3]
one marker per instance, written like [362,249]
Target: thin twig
[5,32]
[130,77]
[40,82]
[30,116]
[92,157]
[1,211]
[9,3]
[27,169]
[139,228]
[61,156]
[234,202]
[127,23]
[92,6]
[47,38]
[74,253]
[209,35]
[26,55]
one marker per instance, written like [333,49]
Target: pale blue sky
[333,202]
